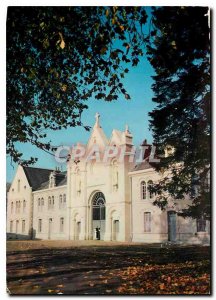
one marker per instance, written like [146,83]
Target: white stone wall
[46,212]
[110,178]
[186,229]
[20,192]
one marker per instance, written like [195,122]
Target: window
[19,205]
[99,206]
[11,226]
[53,201]
[18,185]
[52,179]
[143,190]
[38,204]
[64,200]
[23,226]
[60,201]
[201,225]
[24,205]
[42,203]
[147,222]
[17,226]
[61,224]
[150,183]
[11,207]
[40,225]
[49,203]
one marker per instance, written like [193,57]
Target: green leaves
[181,119]
[65,55]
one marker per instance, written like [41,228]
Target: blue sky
[113,115]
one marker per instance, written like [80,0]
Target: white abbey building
[95,199]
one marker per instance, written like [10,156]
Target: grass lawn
[97,268]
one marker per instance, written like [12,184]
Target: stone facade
[99,198]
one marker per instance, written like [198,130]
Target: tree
[180,54]
[59,57]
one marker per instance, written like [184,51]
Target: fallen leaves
[172,278]
[91,284]
[138,271]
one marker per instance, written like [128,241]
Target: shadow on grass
[75,266]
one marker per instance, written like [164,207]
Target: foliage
[180,54]
[58,58]
[182,278]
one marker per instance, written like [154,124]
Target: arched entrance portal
[98,215]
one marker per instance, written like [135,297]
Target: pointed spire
[97,116]
[127,128]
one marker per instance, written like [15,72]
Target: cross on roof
[97,116]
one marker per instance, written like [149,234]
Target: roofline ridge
[38,168]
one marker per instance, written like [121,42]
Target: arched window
[49,202]
[143,190]
[53,201]
[24,205]
[42,201]
[98,204]
[61,224]
[60,201]
[64,200]
[19,206]
[150,183]
[11,207]
[39,204]
[11,226]
[52,179]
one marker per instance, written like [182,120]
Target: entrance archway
[98,215]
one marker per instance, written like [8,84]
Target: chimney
[147,150]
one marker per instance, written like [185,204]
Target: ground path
[97,267]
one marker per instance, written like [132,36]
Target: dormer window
[52,180]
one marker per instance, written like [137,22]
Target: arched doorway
[98,215]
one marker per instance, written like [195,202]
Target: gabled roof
[61,179]
[36,176]
[116,136]
[143,166]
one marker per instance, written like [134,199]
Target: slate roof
[38,178]
[8,185]
[143,166]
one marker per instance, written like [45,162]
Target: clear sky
[113,115]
